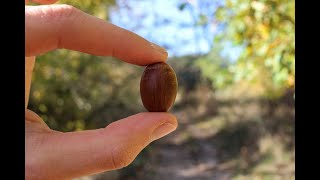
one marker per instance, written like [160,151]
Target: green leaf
[182,6]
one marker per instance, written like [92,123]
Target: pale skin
[65,155]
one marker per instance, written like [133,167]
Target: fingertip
[144,122]
[165,124]
[161,53]
[161,117]
[145,53]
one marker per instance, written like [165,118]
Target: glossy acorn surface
[158,87]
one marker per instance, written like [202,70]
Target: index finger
[49,27]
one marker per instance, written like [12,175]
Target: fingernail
[162,130]
[163,52]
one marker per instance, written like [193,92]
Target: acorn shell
[158,87]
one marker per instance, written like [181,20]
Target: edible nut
[158,87]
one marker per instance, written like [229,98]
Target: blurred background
[235,64]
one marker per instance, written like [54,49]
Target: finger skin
[74,154]
[50,27]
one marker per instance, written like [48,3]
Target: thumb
[76,154]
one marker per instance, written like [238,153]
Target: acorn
[158,87]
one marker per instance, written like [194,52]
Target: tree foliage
[266,31]
[75,91]
[266,28]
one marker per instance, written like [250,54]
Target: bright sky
[161,22]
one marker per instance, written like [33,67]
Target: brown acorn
[158,87]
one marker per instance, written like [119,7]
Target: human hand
[57,155]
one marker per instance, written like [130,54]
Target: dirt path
[197,149]
[184,154]
[179,162]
